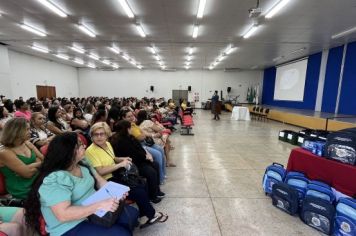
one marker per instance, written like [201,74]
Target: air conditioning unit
[232,69]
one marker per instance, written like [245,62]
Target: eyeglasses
[99,134]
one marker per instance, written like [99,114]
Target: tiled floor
[216,188]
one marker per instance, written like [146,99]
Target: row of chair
[259,113]
[187,123]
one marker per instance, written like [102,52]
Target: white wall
[5,84]
[28,71]
[137,83]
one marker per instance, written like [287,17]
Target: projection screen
[290,81]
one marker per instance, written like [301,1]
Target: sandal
[161,218]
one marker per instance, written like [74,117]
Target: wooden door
[45,91]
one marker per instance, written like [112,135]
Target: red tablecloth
[340,176]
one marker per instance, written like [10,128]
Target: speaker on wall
[189,88]
[228,89]
[152,88]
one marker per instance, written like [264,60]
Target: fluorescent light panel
[114,65]
[86,30]
[53,8]
[229,49]
[201,9]
[78,61]
[76,49]
[190,51]
[189,58]
[195,31]
[64,57]
[33,30]
[106,62]
[127,8]
[250,32]
[93,56]
[125,57]
[276,8]
[115,49]
[153,50]
[44,50]
[91,65]
[344,33]
[139,66]
[157,57]
[140,30]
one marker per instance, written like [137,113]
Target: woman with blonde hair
[101,156]
[19,159]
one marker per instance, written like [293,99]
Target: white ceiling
[169,24]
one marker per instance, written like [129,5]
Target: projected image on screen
[290,81]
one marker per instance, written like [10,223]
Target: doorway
[179,94]
[45,91]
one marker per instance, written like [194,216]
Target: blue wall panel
[310,91]
[347,104]
[332,76]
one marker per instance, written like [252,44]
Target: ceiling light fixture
[33,30]
[187,67]
[114,65]
[157,57]
[125,57]
[220,58]
[64,57]
[152,49]
[211,67]
[93,56]
[276,8]
[278,58]
[106,62]
[86,30]
[251,31]
[161,63]
[201,9]
[229,49]
[298,51]
[78,61]
[140,30]
[53,8]
[139,66]
[76,49]
[115,49]
[344,33]
[190,52]
[44,50]
[195,31]
[127,8]
[189,58]
[91,65]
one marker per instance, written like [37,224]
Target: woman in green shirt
[19,159]
[63,183]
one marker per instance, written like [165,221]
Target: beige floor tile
[216,187]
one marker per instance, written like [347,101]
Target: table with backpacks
[314,201]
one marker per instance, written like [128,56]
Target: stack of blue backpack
[315,201]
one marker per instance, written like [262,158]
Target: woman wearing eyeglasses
[101,156]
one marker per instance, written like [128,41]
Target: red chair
[2,185]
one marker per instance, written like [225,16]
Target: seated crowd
[55,153]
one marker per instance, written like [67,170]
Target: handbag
[109,218]
[149,141]
[129,177]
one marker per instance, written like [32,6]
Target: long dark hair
[2,112]
[121,128]
[60,156]
[97,116]
[141,116]
[52,116]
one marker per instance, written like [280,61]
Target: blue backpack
[345,220]
[298,181]
[320,190]
[274,173]
[318,213]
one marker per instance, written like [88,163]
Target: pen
[108,192]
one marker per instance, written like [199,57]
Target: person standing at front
[215,106]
